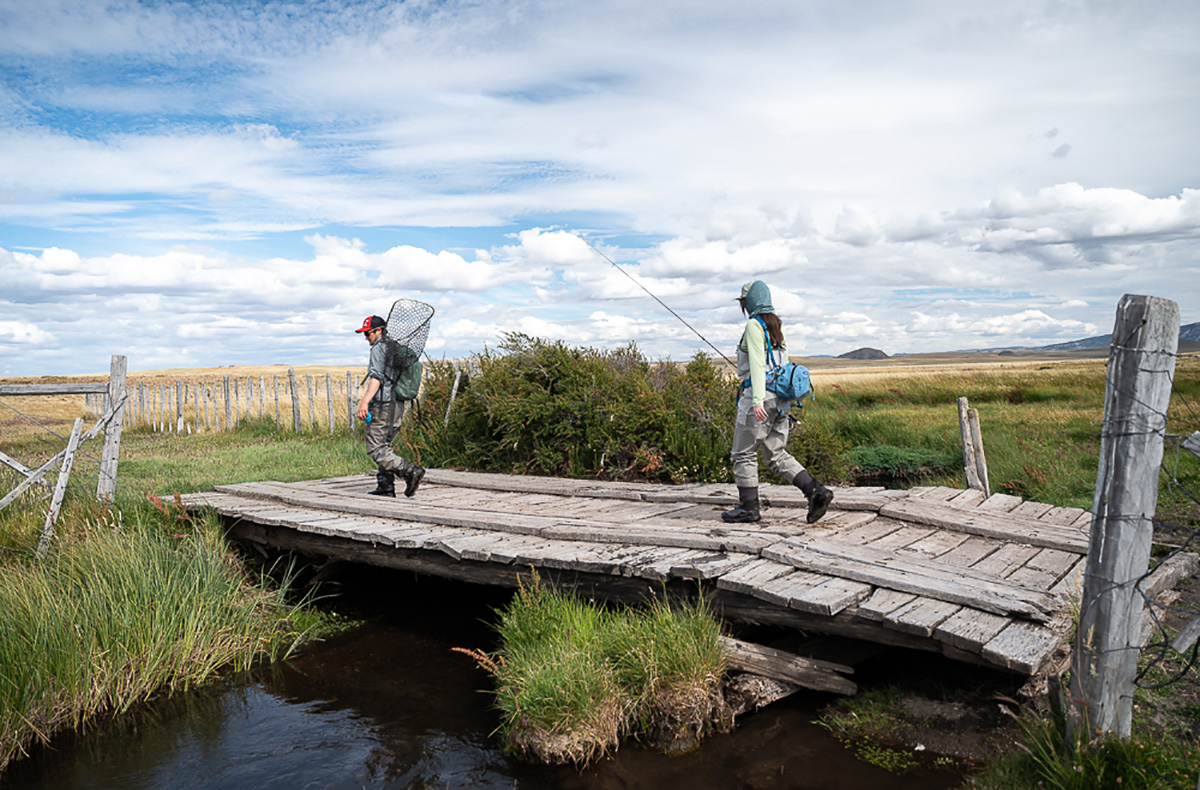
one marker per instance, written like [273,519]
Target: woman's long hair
[774,325]
[774,328]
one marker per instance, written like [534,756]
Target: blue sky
[212,183]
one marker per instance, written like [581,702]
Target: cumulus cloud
[910,179]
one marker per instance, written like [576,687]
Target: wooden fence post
[350,404]
[1141,365]
[980,457]
[60,489]
[295,400]
[970,465]
[106,486]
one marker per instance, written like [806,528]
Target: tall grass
[123,610]
[1044,758]
[572,677]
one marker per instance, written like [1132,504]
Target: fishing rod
[660,301]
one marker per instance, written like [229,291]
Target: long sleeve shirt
[752,358]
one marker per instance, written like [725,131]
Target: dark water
[388,705]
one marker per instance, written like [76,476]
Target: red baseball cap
[372,322]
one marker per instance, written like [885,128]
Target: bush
[542,407]
[886,464]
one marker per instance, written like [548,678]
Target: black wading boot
[819,497]
[385,483]
[412,478]
[747,507]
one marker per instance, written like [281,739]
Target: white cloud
[910,177]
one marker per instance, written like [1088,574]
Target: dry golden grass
[59,410]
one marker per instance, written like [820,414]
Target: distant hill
[863,353]
[1187,332]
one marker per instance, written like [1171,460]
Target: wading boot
[385,483]
[412,478]
[819,497]
[747,507]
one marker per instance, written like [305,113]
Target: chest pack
[790,382]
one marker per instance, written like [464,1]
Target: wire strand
[660,301]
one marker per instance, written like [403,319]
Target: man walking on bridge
[383,411]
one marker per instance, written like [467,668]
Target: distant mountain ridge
[1186,332]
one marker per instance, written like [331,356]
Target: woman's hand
[760,413]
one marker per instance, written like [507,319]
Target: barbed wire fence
[1129,634]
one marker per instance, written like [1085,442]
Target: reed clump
[123,609]
[573,678]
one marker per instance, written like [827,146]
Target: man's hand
[372,387]
[760,413]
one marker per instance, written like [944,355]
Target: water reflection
[389,706]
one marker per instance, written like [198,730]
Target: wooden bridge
[988,580]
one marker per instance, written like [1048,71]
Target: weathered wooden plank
[970,551]
[843,520]
[788,667]
[1000,503]
[970,629]
[655,562]
[58,388]
[920,616]
[1033,510]
[882,602]
[967,498]
[784,590]
[709,565]
[966,586]
[477,546]
[1064,516]
[715,539]
[1024,646]
[937,494]
[905,536]
[752,575]
[664,568]
[1044,569]
[989,524]
[831,597]
[937,544]
[538,485]
[869,531]
[845,498]
[1006,559]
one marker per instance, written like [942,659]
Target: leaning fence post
[60,489]
[106,486]
[980,458]
[453,392]
[1141,366]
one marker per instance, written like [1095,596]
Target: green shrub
[899,464]
[542,407]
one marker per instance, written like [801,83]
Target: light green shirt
[752,358]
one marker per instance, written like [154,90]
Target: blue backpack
[791,382]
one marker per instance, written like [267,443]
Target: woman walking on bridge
[761,422]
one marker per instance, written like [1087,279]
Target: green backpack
[408,382]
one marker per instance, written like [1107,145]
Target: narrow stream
[388,705]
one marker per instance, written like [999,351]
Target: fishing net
[407,331]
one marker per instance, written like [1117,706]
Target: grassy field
[1040,416]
